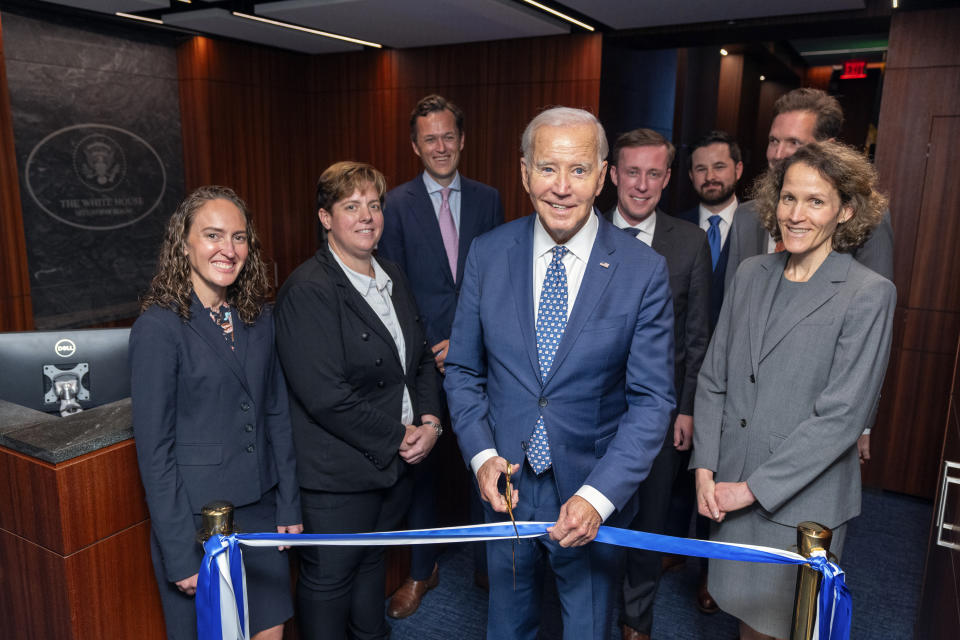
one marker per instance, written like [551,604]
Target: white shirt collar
[726,214]
[433,186]
[579,245]
[364,283]
[647,226]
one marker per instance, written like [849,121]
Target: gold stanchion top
[216,518]
[813,537]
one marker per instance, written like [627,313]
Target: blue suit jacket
[209,423]
[411,238]
[607,400]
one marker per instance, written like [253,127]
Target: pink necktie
[448,231]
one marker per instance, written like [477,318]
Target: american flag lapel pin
[605,265]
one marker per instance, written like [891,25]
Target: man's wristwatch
[436,426]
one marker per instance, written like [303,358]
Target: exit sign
[853,69]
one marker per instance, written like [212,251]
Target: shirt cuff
[866,432]
[477,461]
[597,500]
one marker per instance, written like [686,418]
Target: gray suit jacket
[784,413]
[747,238]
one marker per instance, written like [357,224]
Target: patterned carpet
[885,590]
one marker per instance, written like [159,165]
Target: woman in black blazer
[210,410]
[361,378]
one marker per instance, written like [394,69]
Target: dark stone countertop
[55,439]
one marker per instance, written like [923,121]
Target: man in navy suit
[429,224]
[641,169]
[715,168]
[560,370]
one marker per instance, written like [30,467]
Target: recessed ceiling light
[723,52]
[315,32]
[562,16]
[140,18]
[762,78]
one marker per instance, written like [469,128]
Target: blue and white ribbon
[222,612]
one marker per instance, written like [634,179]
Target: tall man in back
[429,224]
[561,362]
[715,169]
[801,117]
[641,170]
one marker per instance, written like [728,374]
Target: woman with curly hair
[791,378]
[210,413]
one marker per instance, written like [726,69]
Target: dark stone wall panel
[96,123]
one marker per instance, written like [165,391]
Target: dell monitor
[64,371]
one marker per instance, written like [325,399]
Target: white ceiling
[417,23]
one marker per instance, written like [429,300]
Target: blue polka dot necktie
[551,321]
[713,239]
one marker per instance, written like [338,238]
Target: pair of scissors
[508,496]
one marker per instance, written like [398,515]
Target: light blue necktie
[713,238]
[551,321]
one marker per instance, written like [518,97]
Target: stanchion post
[811,537]
[215,518]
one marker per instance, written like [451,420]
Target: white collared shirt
[575,262]
[434,189]
[726,219]
[646,227]
[377,292]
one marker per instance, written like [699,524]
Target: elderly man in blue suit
[561,362]
[429,223]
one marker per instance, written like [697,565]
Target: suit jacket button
[244,406]
[250,448]
[380,384]
[743,422]
[248,427]
[752,379]
[378,362]
[364,336]
[542,402]
[523,445]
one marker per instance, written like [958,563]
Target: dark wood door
[939,615]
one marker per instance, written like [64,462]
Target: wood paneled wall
[916,158]
[16,309]
[267,123]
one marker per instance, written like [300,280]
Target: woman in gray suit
[791,379]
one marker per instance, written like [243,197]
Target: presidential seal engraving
[95,176]
[99,162]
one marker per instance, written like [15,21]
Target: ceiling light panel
[626,14]
[417,23]
[113,6]
[221,22]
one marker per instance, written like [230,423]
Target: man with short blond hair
[429,224]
